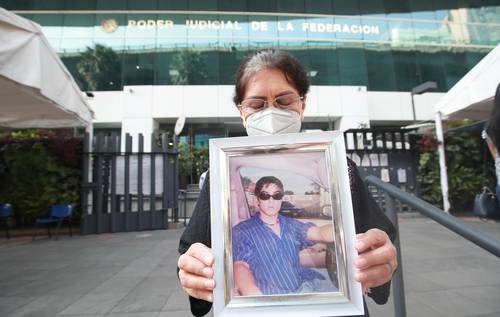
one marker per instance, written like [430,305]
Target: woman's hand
[196,272]
[377,259]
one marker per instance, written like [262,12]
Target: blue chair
[5,214]
[58,214]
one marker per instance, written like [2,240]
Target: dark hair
[265,181]
[272,59]
[493,125]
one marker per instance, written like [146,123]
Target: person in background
[493,138]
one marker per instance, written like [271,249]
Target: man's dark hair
[265,181]
[270,59]
[493,126]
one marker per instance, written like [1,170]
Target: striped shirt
[273,260]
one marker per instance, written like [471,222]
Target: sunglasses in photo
[266,196]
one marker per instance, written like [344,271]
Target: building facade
[148,62]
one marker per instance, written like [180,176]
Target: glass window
[291,28]
[321,28]
[171,31]
[422,10]
[49,5]
[138,68]
[431,67]
[162,67]
[75,45]
[173,5]
[398,9]
[375,30]
[80,4]
[234,5]
[350,28]
[189,67]
[233,32]
[261,6]
[203,5]
[481,34]
[372,8]
[18,5]
[110,26]
[289,6]
[323,63]
[263,31]
[141,4]
[401,33]
[427,32]
[51,24]
[110,5]
[405,69]
[229,61]
[454,66]
[78,26]
[345,7]
[319,6]
[352,64]
[380,67]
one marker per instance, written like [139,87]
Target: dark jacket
[367,215]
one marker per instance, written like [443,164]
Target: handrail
[458,226]
[484,241]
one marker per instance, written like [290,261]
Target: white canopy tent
[470,98]
[36,89]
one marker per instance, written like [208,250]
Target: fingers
[196,282]
[202,253]
[192,265]
[374,276]
[385,254]
[201,294]
[377,258]
[196,272]
[370,240]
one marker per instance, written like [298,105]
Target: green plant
[192,161]
[468,165]
[34,178]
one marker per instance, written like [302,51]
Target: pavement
[134,274]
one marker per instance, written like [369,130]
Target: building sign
[255,25]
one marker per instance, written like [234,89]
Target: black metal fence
[389,154]
[128,191]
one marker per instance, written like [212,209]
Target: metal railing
[456,225]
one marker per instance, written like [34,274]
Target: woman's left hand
[377,259]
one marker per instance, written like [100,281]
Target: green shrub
[38,171]
[469,168]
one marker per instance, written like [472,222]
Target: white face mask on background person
[273,120]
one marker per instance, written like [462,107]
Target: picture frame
[313,191]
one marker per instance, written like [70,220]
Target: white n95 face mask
[273,121]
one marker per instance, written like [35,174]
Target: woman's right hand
[196,271]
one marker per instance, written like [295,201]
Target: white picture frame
[326,164]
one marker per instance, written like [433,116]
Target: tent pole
[442,162]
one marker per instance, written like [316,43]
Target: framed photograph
[283,227]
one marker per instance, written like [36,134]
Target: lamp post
[418,90]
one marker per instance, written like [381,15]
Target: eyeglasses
[288,101]
[266,196]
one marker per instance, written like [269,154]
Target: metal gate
[389,154]
[128,191]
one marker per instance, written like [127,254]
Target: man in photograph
[266,248]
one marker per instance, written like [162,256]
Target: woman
[493,138]
[270,93]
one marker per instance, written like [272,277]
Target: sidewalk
[134,274]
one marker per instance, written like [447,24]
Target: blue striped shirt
[273,260]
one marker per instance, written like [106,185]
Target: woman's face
[271,206]
[268,84]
